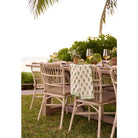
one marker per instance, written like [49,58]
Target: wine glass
[89,53]
[106,54]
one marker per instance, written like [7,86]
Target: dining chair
[35,68]
[97,103]
[55,86]
[113,74]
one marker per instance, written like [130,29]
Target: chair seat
[106,97]
[58,90]
[109,89]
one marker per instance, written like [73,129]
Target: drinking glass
[89,53]
[106,54]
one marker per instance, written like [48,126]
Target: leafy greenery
[26,77]
[96,58]
[50,60]
[48,127]
[64,55]
[38,7]
[113,52]
[101,42]
[79,47]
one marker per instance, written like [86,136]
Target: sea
[29,60]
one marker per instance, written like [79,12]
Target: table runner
[81,81]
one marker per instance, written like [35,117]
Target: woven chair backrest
[113,74]
[97,83]
[35,68]
[53,77]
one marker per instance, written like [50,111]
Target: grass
[48,127]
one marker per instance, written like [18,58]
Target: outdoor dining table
[105,72]
[106,86]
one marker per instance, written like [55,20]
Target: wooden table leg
[47,110]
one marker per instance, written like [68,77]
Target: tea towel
[81,81]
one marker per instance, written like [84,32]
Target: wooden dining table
[66,67]
[105,86]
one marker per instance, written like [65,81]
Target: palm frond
[39,6]
[109,6]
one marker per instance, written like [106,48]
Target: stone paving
[30,92]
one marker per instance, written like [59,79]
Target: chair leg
[69,103]
[102,109]
[52,100]
[34,93]
[89,112]
[66,106]
[99,122]
[71,100]
[114,126]
[43,100]
[62,113]
[73,112]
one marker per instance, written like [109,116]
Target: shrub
[26,77]
[101,42]
[114,52]
[50,60]
[80,48]
[64,55]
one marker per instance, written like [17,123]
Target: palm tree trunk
[102,18]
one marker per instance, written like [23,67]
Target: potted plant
[94,59]
[113,56]
[75,56]
[75,59]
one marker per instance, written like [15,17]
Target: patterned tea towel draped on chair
[81,81]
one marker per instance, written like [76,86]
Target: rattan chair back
[113,74]
[53,78]
[97,83]
[35,68]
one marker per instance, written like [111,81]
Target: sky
[70,20]
[62,24]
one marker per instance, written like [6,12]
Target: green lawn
[48,127]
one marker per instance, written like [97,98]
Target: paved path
[30,92]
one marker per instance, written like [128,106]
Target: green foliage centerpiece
[94,59]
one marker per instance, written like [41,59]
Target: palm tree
[109,5]
[39,6]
